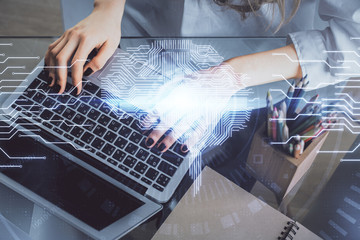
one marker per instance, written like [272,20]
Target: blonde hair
[252,6]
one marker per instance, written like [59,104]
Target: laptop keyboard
[104,133]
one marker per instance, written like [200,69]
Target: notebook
[219,209]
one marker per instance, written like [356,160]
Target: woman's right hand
[101,30]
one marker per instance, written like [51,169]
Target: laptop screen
[65,184]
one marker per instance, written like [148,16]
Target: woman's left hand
[186,107]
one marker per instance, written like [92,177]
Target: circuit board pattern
[137,74]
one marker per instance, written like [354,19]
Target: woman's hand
[100,31]
[188,107]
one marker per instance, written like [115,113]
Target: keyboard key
[101,155]
[56,120]
[116,114]
[108,149]
[104,120]
[44,86]
[46,114]
[120,142]
[87,137]
[58,131]
[85,97]
[125,131]
[114,125]
[26,103]
[77,131]
[99,130]
[122,167]
[119,155]
[90,149]
[63,98]
[158,187]
[126,119]
[98,143]
[136,126]
[113,162]
[95,102]
[93,114]
[145,180]
[79,119]
[29,93]
[92,88]
[89,125]
[105,108]
[131,148]
[167,168]
[163,180]
[73,103]
[83,108]
[68,113]
[59,109]
[140,167]
[130,161]
[66,126]
[153,161]
[34,84]
[53,91]
[49,102]
[134,174]
[172,158]
[135,137]
[48,125]
[68,136]
[110,136]
[39,97]
[142,154]
[81,144]
[155,150]
[36,109]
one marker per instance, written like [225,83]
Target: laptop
[83,158]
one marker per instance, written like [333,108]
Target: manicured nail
[149,142]
[162,147]
[88,72]
[184,148]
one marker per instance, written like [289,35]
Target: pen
[297,149]
[290,94]
[285,134]
[270,109]
[274,123]
[280,125]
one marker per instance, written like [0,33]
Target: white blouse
[326,55]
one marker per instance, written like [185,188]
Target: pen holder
[276,169]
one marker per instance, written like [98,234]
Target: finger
[62,60]
[51,46]
[178,130]
[105,52]
[52,60]
[195,136]
[78,62]
[164,125]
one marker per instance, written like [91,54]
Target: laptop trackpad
[65,184]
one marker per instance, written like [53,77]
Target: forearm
[113,8]
[266,67]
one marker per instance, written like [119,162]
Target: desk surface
[228,159]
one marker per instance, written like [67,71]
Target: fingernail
[162,147]
[184,148]
[88,72]
[50,80]
[149,142]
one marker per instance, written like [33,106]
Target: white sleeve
[332,54]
